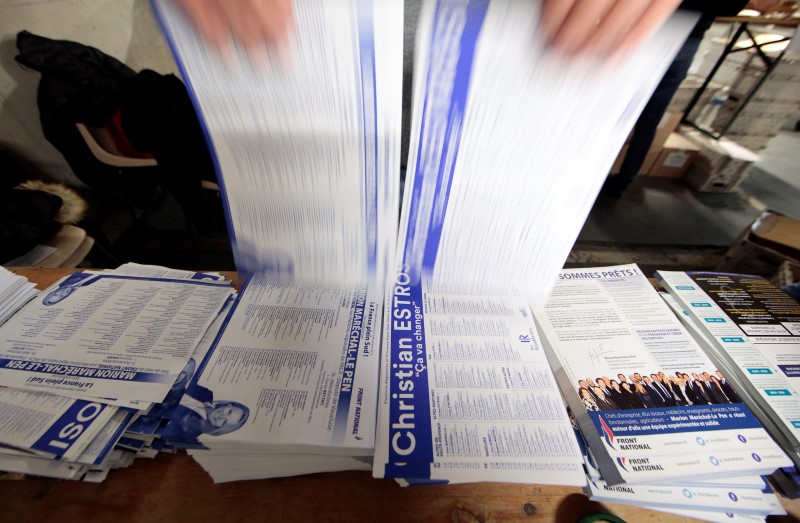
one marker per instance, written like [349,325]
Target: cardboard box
[770,245]
[647,164]
[668,123]
[706,181]
[754,142]
[720,164]
[675,158]
[720,152]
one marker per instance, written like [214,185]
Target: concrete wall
[124,29]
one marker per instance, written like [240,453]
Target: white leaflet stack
[91,336]
[306,142]
[109,337]
[608,334]
[307,149]
[467,395]
[493,203]
[751,329]
[15,291]
[641,389]
[510,143]
[292,374]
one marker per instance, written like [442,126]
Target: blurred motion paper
[510,141]
[307,141]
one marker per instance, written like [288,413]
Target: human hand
[602,27]
[250,22]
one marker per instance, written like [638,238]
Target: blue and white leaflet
[38,466]
[495,197]
[307,141]
[100,335]
[50,426]
[641,388]
[294,370]
[466,393]
[99,450]
[762,350]
[700,499]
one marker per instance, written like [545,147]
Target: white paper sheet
[104,335]
[299,364]
[49,425]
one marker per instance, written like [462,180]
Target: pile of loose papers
[289,386]
[660,428]
[15,291]
[89,356]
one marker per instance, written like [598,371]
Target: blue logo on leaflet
[684,287]
[778,392]
[714,461]
[700,441]
[796,424]
[701,304]
[714,320]
[734,339]
[733,496]
[759,370]
[687,493]
[756,457]
[741,438]
[58,439]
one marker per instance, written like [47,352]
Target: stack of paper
[642,392]
[92,353]
[751,329]
[307,141]
[496,196]
[289,386]
[308,151]
[467,395]
[511,142]
[15,291]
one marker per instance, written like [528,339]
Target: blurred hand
[250,22]
[602,27]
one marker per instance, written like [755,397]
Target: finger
[209,20]
[552,16]
[615,25]
[267,18]
[245,25]
[653,17]
[580,24]
[274,17]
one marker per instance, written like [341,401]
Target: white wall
[124,29]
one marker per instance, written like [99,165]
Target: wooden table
[174,488]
